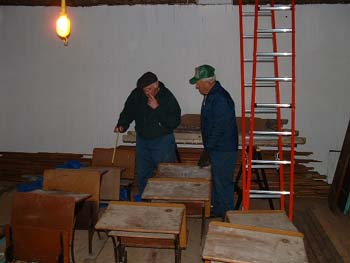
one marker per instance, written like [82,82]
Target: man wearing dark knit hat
[156,113]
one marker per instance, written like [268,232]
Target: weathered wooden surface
[78,197]
[234,243]
[173,189]
[261,218]
[74,180]
[141,217]
[145,217]
[182,170]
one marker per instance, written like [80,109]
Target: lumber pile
[13,165]
[189,132]
[308,183]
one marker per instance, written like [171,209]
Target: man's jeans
[149,153]
[222,168]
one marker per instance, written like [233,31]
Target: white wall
[67,99]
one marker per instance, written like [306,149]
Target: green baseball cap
[202,72]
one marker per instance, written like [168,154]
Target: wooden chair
[39,231]
[124,158]
[78,181]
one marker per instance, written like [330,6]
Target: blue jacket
[218,121]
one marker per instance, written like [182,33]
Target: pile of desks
[43,221]
[176,192]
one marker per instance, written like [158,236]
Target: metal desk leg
[91,228]
[203,223]
[122,253]
[177,250]
[72,242]
[115,248]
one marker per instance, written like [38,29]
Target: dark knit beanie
[146,79]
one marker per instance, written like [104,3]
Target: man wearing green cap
[220,136]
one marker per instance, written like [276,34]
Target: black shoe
[212,215]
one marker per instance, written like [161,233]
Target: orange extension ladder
[262,60]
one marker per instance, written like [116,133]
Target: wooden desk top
[181,170]
[261,218]
[78,197]
[142,217]
[177,189]
[233,243]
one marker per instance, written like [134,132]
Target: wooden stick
[115,147]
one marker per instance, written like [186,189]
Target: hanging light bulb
[63,24]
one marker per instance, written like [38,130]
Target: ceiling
[150,2]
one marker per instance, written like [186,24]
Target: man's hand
[118,129]
[152,101]
[204,159]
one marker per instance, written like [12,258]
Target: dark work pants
[222,168]
[149,153]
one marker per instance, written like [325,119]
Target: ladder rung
[260,13]
[284,79]
[265,84]
[259,60]
[267,111]
[274,54]
[274,30]
[270,162]
[264,196]
[269,192]
[284,133]
[259,36]
[273,105]
[250,60]
[264,166]
[275,8]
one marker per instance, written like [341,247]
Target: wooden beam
[148,2]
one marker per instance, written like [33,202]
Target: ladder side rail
[292,150]
[252,115]
[278,100]
[243,121]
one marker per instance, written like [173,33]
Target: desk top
[236,243]
[177,189]
[78,197]
[142,217]
[261,218]
[181,170]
